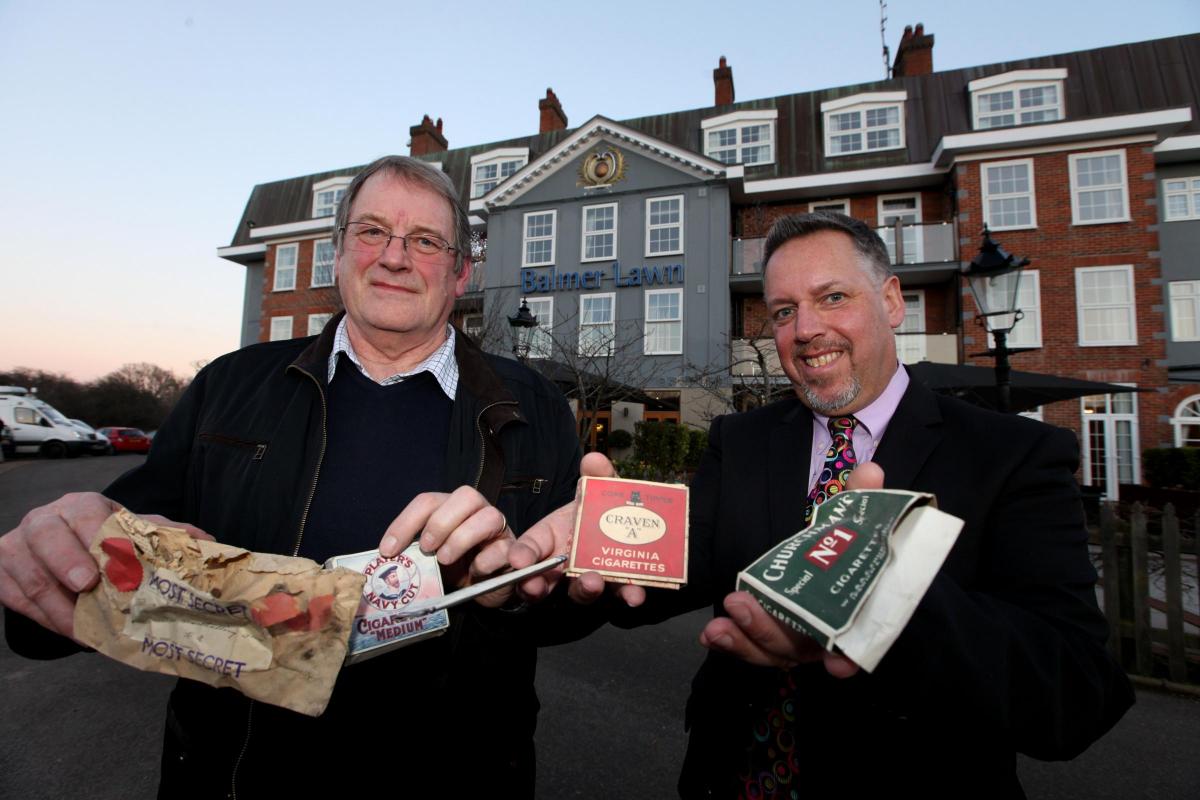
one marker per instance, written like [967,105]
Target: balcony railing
[475,282]
[750,356]
[907,243]
[920,242]
[941,348]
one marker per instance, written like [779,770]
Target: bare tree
[749,378]
[596,367]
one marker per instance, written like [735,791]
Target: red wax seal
[274,609]
[123,569]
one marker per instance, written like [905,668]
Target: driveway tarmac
[611,725]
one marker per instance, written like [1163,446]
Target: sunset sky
[134,131]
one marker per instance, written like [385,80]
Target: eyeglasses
[367,237]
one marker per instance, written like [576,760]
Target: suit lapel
[788,452]
[912,434]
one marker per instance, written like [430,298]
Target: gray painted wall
[705,259]
[1179,244]
[252,303]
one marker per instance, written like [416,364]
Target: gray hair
[422,173]
[867,244]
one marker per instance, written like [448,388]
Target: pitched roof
[1107,81]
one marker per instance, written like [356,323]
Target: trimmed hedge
[1172,467]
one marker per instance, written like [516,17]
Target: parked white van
[38,427]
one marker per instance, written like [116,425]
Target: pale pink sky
[133,132]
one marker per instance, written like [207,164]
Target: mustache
[818,346]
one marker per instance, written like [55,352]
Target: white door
[1110,442]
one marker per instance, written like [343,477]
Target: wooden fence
[1148,564]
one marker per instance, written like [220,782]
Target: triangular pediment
[599,129]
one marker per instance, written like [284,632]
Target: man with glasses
[386,426]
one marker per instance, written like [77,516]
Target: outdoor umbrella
[1029,390]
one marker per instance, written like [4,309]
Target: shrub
[1172,467]
[620,439]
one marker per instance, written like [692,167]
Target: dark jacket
[240,458]
[1005,653]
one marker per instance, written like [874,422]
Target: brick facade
[297,303]
[1057,248]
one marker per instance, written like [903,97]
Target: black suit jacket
[1006,652]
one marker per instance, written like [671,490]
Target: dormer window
[327,194]
[1020,97]
[864,123]
[490,169]
[743,137]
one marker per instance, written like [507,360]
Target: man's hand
[753,635]
[45,563]
[469,536]
[551,536]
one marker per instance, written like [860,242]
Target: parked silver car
[97,443]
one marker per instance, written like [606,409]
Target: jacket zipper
[295,550]
[483,439]
[242,753]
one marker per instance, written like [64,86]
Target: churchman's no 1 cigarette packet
[853,578]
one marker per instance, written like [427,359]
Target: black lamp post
[994,276]
[522,324]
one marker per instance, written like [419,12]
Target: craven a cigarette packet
[631,532]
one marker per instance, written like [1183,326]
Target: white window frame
[332,264]
[316,322]
[909,353]
[862,103]
[286,286]
[526,239]
[1013,82]
[541,341]
[1185,415]
[499,158]
[585,234]
[918,248]
[647,323]
[1073,160]
[1184,295]
[1080,308]
[277,323]
[650,227]
[1191,194]
[987,196]
[334,185]
[1109,422]
[738,121]
[824,205]
[611,324]
[1028,331]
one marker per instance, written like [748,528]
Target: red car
[127,440]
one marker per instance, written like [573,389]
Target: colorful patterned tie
[773,761]
[839,461]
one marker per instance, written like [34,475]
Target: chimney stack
[914,55]
[426,138]
[723,83]
[553,118]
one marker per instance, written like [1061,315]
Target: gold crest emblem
[602,168]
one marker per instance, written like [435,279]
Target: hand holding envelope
[753,635]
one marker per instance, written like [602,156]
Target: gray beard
[829,407]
